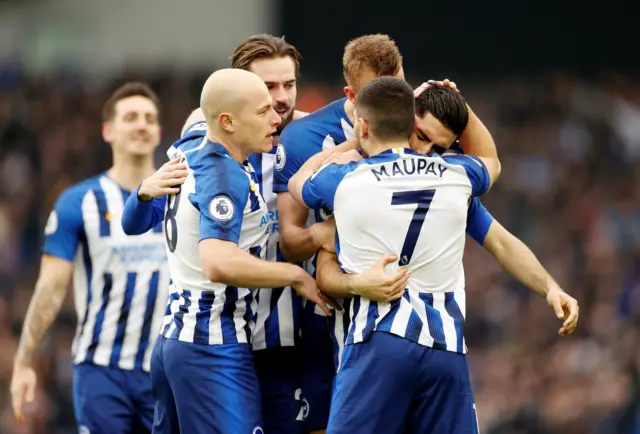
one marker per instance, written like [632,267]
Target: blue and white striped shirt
[370,200]
[120,282]
[220,199]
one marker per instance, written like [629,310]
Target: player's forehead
[431,128]
[274,69]
[135,104]
[366,75]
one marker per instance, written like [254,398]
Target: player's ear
[107,134]
[364,128]
[226,122]
[350,93]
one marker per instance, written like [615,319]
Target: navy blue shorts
[391,385]
[204,388]
[283,407]
[318,369]
[109,400]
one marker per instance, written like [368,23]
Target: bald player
[202,367]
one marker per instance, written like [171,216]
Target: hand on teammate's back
[377,285]
[164,181]
[566,308]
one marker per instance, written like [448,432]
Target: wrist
[22,361]
[142,195]
[351,284]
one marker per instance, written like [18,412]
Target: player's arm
[477,140]
[61,242]
[312,165]
[519,261]
[297,241]
[221,195]
[373,284]
[144,208]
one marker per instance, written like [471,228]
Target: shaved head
[239,111]
[227,91]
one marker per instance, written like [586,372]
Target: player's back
[219,199]
[415,207]
[120,281]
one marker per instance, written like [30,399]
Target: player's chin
[141,150]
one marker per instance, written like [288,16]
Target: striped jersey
[220,199]
[277,308]
[414,207]
[120,282]
[479,220]
[301,140]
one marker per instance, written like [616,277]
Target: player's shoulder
[75,193]
[212,161]
[318,124]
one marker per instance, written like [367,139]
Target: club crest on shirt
[221,208]
[281,158]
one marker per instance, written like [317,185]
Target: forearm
[42,312]
[330,277]
[138,217]
[519,261]
[476,138]
[236,267]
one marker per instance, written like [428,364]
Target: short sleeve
[320,189]
[65,225]
[293,151]
[221,194]
[479,221]
[476,172]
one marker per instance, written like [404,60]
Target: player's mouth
[273,134]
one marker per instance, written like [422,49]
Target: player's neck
[233,151]
[349,108]
[375,148]
[129,171]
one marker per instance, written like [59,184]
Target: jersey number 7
[423,198]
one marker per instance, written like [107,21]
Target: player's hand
[424,86]
[306,287]
[343,157]
[324,234]
[566,308]
[164,181]
[376,285]
[23,388]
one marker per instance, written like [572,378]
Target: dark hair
[446,105]
[376,53]
[388,104]
[127,90]
[263,46]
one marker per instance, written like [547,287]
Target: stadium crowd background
[570,189]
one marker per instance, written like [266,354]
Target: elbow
[216,271]
[127,227]
[498,170]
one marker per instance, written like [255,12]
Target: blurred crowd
[570,189]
